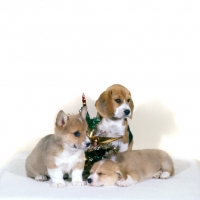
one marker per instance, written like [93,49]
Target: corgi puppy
[131,167]
[114,106]
[62,152]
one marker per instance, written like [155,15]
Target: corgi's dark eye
[100,174]
[118,100]
[128,100]
[77,134]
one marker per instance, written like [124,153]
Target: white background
[53,51]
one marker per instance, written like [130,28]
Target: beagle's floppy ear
[104,104]
[131,107]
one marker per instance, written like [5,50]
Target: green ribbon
[92,122]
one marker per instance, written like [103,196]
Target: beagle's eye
[118,100]
[77,134]
[128,100]
[100,174]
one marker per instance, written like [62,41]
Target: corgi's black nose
[88,144]
[126,111]
[89,180]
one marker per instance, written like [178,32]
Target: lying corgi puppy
[62,152]
[131,167]
[114,106]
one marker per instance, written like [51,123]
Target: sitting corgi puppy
[131,167]
[62,152]
[114,106]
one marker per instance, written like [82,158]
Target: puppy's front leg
[125,182]
[57,177]
[77,175]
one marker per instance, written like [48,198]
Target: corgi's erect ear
[104,104]
[83,112]
[61,119]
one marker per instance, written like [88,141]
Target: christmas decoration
[91,122]
[101,147]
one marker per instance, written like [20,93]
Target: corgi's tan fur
[62,152]
[131,167]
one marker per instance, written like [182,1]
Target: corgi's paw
[165,175]
[122,183]
[157,174]
[79,183]
[58,185]
[41,178]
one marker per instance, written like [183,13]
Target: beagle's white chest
[111,128]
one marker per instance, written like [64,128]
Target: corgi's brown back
[42,155]
[147,161]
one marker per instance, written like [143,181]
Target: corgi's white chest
[67,159]
[111,128]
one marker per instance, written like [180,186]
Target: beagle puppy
[114,106]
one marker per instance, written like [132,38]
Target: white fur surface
[65,162]
[119,112]
[68,158]
[111,128]
[56,177]
[77,177]
[123,147]
[183,185]
[165,175]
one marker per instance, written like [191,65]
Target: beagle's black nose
[89,180]
[126,111]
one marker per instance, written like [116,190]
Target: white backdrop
[53,51]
